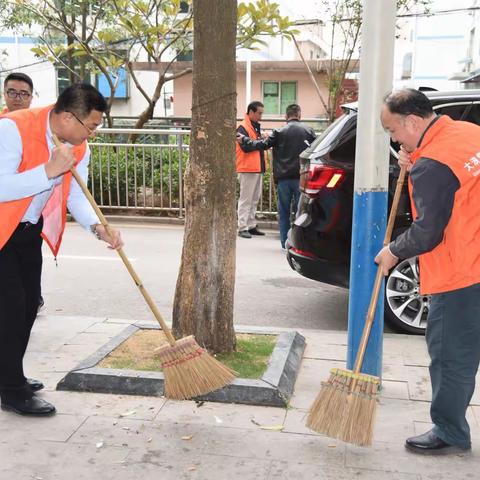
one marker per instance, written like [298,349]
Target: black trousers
[20,272]
[453,339]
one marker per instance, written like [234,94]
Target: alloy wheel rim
[403,294]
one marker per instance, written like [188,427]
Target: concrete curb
[262,224]
[274,388]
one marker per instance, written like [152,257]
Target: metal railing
[142,170]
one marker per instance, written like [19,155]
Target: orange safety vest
[248,162]
[32,126]
[455,262]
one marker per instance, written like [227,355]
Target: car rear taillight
[318,177]
[302,252]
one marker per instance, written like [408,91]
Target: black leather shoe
[244,234]
[30,406]
[35,385]
[430,444]
[255,231]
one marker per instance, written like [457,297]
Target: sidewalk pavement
[112,437]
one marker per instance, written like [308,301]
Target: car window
[473,114]
[455,112]
[339,132]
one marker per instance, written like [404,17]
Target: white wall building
[47,79]
[440,50]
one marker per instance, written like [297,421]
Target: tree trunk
[147,114]
[203,303]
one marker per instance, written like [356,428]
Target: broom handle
[379,277]
[120,251]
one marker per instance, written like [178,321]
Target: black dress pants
[20,272]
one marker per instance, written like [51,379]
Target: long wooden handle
[379,277]
[121,253]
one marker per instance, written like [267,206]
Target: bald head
[405,116]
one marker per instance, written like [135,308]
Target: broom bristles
[190,371]
[345,407]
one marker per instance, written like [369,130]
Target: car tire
[405,309]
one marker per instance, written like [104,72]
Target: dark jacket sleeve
[434,186]
[250,145]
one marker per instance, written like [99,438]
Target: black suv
[318,245]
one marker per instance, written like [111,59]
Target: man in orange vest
[250,167]
[17,92]
[36,187]
[443,157]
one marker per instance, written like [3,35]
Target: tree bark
[203,304]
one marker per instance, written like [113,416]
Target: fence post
[180,176]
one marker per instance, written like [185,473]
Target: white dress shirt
[34,182]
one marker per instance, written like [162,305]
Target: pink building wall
[307,96]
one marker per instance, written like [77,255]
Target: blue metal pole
[371,179]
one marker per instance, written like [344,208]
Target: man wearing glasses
[36,188]
[18,90]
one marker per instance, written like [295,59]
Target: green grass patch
[252,355]
[250,360]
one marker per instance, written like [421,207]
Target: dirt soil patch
[138,353]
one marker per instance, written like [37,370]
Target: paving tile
[16,429]
[391,389]
[37,362]
[221,414]
[278,446]
[91,341]
[302,471]
[58,461]
[106,405]
[295,422]
[168,438]
[105,327]
[307,386]
[395,458]
[196,466]
[326,352]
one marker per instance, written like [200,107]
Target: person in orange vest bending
[17,92]
[443,157]
[250,164]
[36,188]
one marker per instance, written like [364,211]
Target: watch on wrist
[94,230]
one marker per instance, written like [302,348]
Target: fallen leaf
[332,445]
[276,428]
[187,437]
[126,414]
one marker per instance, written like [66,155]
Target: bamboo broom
[189,369]
[346,404]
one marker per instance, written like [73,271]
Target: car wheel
[406,309]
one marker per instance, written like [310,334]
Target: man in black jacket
[288,143]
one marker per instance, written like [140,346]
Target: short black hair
[293,110]
[19,76]
[80,99]
[408,101]
[253,106]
